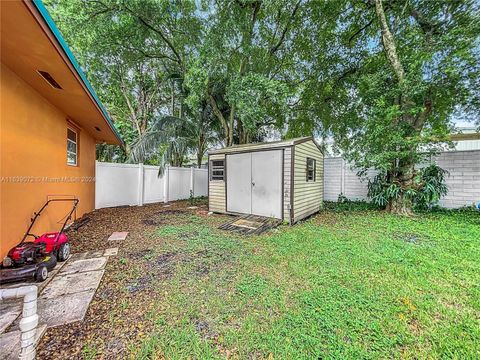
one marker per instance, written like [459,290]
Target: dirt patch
[141,284]
[137,220]
[203,328]
[163,267]
[412,238]
[142,254]
[150,222]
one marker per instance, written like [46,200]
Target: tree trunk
[403,172]
[404,176]
[199,160]
[400,206]
[228,131]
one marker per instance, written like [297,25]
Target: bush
[427,189]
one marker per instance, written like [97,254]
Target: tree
[244,70]
[134,53]
[382,77]
[387,75]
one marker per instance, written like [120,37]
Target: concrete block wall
[463,180]
[464,177]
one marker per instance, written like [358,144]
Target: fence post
[192,181]
[166,184]
[140,184]
[96,185]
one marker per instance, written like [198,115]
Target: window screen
[217,169]
[311,169]
[72,146]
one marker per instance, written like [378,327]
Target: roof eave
[71,58]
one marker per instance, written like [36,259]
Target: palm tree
[170,140]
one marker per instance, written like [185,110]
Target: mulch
[129,279]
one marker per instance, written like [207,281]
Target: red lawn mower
[34,259]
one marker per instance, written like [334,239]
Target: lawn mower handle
[37,214]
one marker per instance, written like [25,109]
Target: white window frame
[314,170]
[76,147]
[217,168]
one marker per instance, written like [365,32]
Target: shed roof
[260,146]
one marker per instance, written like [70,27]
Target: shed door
[267,181]
[239,183]
[254,183]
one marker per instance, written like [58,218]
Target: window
[72,147]
[217,170]
[311,169]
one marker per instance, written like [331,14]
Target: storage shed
[282,179]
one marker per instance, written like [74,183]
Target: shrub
[427,189]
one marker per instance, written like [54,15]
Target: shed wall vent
[49,78]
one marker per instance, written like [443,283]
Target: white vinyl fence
[138,184]
[463,180]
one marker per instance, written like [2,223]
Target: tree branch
[359,31]
[389,42]
[285,30]
[157,31]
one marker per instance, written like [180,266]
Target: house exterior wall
[216,189]
[307,195]
[33,162]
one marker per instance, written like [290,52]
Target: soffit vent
[49,78]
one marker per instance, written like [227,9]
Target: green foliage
[254,96]
[346,205]
[429,187]
[241,71]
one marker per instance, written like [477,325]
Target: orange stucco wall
[32,153]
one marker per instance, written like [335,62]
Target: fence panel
[179,183]
[200,182]
[116,184]
[332,174]
[138,184]
[152,185]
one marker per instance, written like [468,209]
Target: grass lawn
[343,284]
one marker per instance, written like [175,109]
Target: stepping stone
[72,283]
[83,265]
[192,207]
[64,309]
[94,254]
[10,342]
[167,205]
[8,318]
[10,345]
[117,236]
[111,252]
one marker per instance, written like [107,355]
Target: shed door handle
[253,183]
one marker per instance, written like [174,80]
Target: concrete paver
[72,283]
[118,236]
[83,265]
[64,309]
[111,252]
